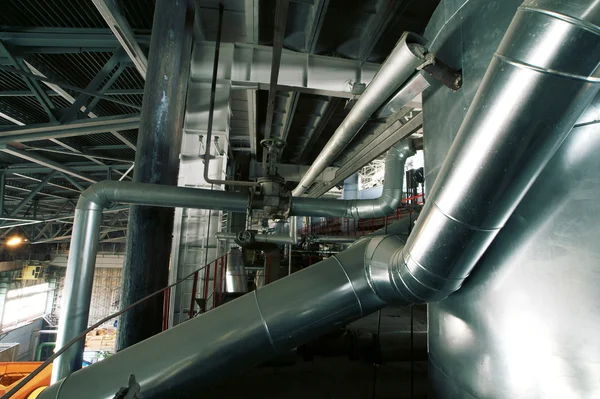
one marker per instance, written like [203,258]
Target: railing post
[214,293]
[206,277]
[166,305]
[193,300]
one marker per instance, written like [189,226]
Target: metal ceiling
[68,42]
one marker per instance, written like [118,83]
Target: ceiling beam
[123,32]
[100,77]
[31,194]
[52,93]
[40,160]
[64,40]
[21,168]
[76,128]
[67,86]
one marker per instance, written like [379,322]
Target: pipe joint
[380,253]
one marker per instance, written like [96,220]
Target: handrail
[64,348]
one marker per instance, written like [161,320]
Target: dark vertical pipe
[150,229]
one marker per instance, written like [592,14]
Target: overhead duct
[386,204]
[403,61]
[514,125]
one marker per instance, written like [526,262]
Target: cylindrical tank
[236,278]
[525,324]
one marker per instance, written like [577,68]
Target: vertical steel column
[150,229]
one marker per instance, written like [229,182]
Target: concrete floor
[336,377]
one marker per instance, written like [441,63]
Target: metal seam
[471,227]
[563,17]
[264,322]
[351,284]
[408,257]
[553,72]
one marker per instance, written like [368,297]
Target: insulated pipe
[240,334]
[403,61]
[84,242]
[333,239]
[513,127]
[386,204]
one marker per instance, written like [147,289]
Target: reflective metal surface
[397,68]
[387,203]
[236,279]
[240,334]
[514,125]
[84,242]
[524,324]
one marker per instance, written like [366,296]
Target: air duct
[408,54]
[513,126]
[239,334]
[386,204]
[84,242]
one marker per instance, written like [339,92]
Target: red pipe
[206,276]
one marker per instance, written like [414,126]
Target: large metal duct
[408,54]
[386,204]
[525,323]
[243,333]
[84,241]
[514,125]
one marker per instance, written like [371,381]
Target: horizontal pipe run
[333,239]
[84,242]
[386,204]
[408,54]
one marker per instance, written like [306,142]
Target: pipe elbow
[398,279]
[97,196]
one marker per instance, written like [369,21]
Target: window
[25,303]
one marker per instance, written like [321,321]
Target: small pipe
[408,54]
[84,243]
[333,239]
[213,90]
[40,348]
[386,204]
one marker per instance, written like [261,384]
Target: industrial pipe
[513,127]
[386,204]
[84,243]
[333,239]
[237,335]
[403,61]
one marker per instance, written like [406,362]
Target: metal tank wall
[525,324]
